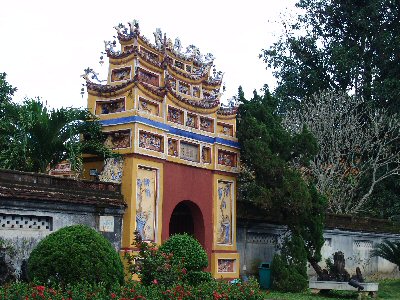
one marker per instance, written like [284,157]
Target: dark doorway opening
[181,220]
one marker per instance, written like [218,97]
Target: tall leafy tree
[270,180]
[340,45]
[35,138]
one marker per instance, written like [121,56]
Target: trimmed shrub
[75,254]
[289,269]
[186,250]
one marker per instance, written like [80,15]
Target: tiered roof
[168,59]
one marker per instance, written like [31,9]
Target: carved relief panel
[172,147]
[121,74]
[227,158]
[146,197]
[224,214]
[206,124]
[175,115]
[184,88]
[196,91]
[151,141]
[226,265]
[110,106]
[148,106]
[118,139]
[148,77]
[226,129]
[206,154]
[191,120]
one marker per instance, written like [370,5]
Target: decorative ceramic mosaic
[206,155]
[112,171]
[121,74]
[206,124]
[109,107]
[150,141]
[189,151]
[196,91]
[148,77]
[224,216]
[226,158]
[188,68]
[175,115]
[226,265]
[172,147]
[118,139]
[146,197]
[225,129]
[148,106]
[191,120]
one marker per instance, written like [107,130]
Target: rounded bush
[187,250]
[74,254]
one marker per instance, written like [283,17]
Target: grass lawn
[388,289]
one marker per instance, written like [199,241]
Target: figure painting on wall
[224,231]
[145,203]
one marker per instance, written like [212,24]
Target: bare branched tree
[359,147]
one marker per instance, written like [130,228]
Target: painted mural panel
[150,141]
[146,196]
[121,74]
[224,216]
[148,106]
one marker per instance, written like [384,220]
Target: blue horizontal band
[170,129]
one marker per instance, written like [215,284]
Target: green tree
[339,45]
[388,250]
[272,180]
[6,90]
[35,137]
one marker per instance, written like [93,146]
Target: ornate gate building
[160,109]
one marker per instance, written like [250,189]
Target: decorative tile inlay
[206,124]
[150,141]
[148,77]
[189,151]
[226,158]
[118,139]
[188,68]
[172,147]
[224,216]
[121,74]
[148,106]
[112,171]
[110,106]
[191,120]
[206,154]
[146,197]
[175,115]
[226,265]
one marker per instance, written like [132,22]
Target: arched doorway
[187,218]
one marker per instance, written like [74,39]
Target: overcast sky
[46,45]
